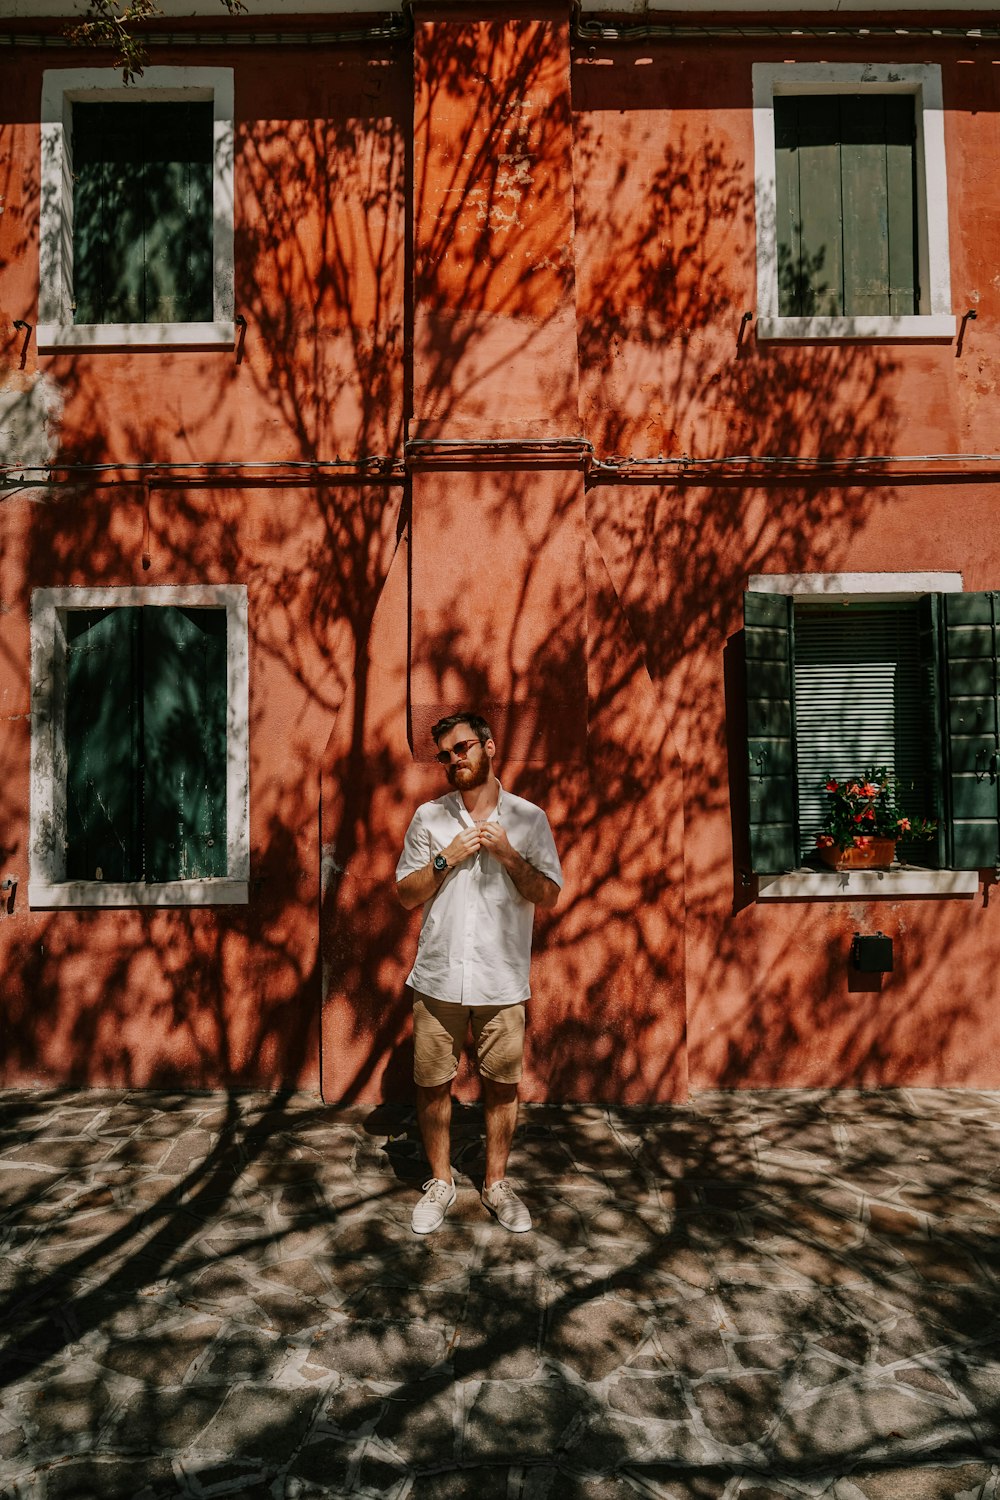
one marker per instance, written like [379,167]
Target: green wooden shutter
[846,206]
[901,203]
[810,219]
[767,634]
[933,852]
[971,640]
[142,212]
[859,702]
[177,211]
[108,272]
[184,727]
[103,751]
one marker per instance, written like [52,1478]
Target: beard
[467,778]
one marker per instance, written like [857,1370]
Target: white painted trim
[834,587]
[61,88]
[912,327]
[136,335]
[168,893]
[47,885]
[866,885]
[923,81]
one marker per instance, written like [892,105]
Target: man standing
[479,860]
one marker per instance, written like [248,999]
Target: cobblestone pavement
[755,1295]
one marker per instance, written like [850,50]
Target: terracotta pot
[877,854]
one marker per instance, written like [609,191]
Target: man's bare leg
[434,1119]
[500,1109]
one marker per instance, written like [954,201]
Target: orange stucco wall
[490,235]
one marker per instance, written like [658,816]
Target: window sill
[932,326]
[221,892]
[866,885]
[52,336]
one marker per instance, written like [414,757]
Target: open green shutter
[103,756]
[767,633]
[971,630]
[933,852]
[184,714]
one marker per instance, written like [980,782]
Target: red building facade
[500,386]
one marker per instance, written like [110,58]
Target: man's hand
[530,883]
[462,845]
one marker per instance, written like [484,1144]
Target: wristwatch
[440,863]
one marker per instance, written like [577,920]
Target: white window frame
[61,89]
[935,319]
[47,883]
[860,885]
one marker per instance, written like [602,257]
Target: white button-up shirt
[475,940]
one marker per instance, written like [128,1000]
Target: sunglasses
[444,756]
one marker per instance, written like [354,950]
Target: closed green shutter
[142,212]
[767,634]
[184,728]
[178,212]
[107,214]
[103,745]
[858,703]
[810,234]
[971,631]
[846,206]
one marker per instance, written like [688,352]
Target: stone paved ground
[755,1295]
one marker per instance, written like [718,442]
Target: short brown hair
[476,723]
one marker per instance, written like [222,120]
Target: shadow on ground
[756,1295]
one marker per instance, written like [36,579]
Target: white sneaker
[502,1200]
[429,1212]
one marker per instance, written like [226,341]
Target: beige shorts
[439,1032]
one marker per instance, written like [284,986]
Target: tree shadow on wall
[223,995]
[662,274]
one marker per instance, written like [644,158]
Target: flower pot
[876,854]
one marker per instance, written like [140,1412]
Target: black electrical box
[872,955]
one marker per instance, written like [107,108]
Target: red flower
[833,786]
[859,817]
[862,841]
[824,840]
[869,813]
[869,790]
[853,788]
[904,824]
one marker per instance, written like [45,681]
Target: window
[137,208]
[859,700]
[851,198]
[900,670]
[139,790]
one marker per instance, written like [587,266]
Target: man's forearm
[413,890]
[531,883]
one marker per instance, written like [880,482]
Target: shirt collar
[463,812]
